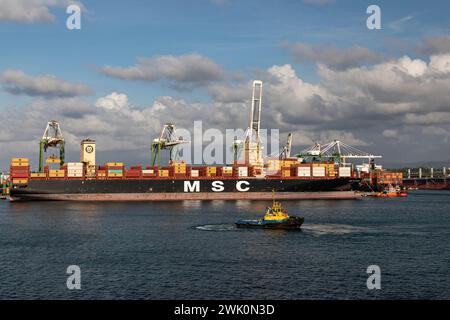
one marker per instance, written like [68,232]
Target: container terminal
[319,172]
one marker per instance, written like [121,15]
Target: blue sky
[241,37]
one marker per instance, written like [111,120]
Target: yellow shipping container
[320,165]
[115,164]
[286,173]
[163,173]
[20,160]
[179,169]
[37,175]
[56,171]
[115,174]
[19,181]
[53,160]
[19,164]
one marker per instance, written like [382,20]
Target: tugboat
[275,218]
[391,192]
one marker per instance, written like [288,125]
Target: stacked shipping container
[74,169]
[114,169]
[286,168]
[19,171]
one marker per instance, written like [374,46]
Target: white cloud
[31,11]
[435,45]
[19,83]
[437,131]
[399,24]
[182,72]
[440,64]
[332,56]
[390,133]
[113,101]
[415,68]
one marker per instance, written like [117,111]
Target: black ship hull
[181,189]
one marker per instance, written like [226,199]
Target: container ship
[253,178]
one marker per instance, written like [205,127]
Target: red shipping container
[13,168]
[19,171]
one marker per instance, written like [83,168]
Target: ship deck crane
[166,141]
[52,138]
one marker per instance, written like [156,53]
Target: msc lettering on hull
[216,186]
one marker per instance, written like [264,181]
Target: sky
[135,65]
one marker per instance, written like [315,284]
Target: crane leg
[159,156]
[62,152]
[41,156]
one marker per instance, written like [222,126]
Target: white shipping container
[345,172]
[318,171]
[303,172]
[194,173]
[242,171]
[148,171]
[74,164]
[74,175]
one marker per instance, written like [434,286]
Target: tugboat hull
[287,224]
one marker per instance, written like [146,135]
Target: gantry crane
[166,141]
[336,150]
[253,144]
[52,138]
